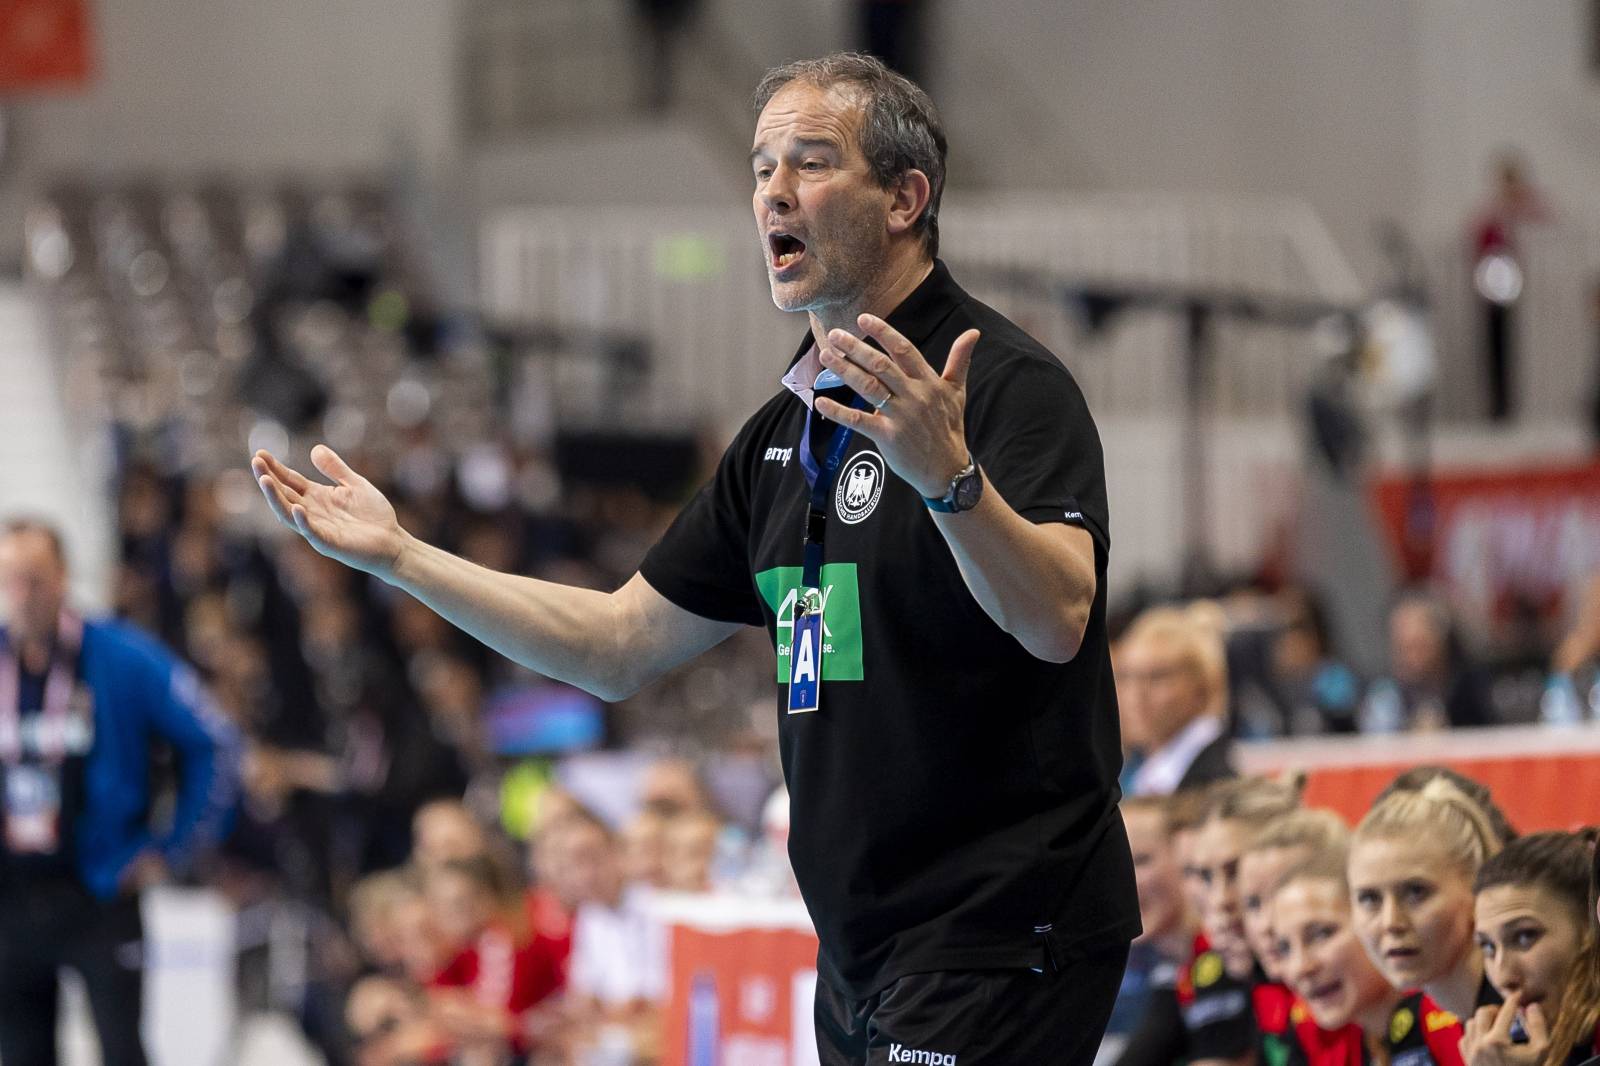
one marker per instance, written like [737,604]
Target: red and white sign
[743,978]
[44,43]
[1494,540]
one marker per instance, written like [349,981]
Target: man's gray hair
[900,127]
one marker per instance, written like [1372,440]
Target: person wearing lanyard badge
[80,702]
[930,567]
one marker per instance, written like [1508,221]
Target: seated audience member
[1412,863]
[1314,691]
[495,978]
[671,787]
[768,873]
[1572,692]
[1130,727]
[617,979]
[551,901]
[423,950]
[1430,684]
[1350,1004]
[375,904]
[689,849]
[444,830]
[643,843]
[1172,683]
[1536,929]
[389,1025]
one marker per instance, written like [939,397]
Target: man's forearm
[567,633]
[1025,576]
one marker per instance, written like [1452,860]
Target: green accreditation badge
[840,638]
[805,653]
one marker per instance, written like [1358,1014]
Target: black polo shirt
[953,798]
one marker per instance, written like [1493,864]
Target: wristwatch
[966,488]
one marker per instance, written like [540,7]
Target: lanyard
[58,687]
[820,479]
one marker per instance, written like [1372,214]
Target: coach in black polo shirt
[919,519]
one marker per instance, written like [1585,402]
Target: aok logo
[841,618]
[860,486]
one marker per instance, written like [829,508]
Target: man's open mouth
[785,250]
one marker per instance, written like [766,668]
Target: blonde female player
[1412,863]
[1351,1005]
[1217,994]
[1286,842]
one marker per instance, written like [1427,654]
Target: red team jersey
[501,972]
[1421,1033]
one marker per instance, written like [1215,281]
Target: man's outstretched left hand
[919,418]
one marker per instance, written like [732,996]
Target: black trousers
[45,927]
[975,1018]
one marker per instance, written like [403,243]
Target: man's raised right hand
[350,520]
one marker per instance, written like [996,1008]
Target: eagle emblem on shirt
[860,487]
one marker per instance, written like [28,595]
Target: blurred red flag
[43,43]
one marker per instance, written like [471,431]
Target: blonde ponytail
[1439,811]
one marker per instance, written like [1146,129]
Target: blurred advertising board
[1501,542]
[44,44]
[1543,777]
[743,976]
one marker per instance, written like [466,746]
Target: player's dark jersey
[1586,1052]
[1218,1014]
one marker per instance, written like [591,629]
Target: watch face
[968,489]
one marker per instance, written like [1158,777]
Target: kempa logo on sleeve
[841,618]
[901,1053]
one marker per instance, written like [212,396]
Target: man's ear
[909,199]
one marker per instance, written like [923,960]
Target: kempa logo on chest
[778,455]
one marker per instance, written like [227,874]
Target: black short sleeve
[1031,432]
[702,562]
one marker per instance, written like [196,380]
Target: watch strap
[946,504]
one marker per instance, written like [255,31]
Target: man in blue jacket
[81,704]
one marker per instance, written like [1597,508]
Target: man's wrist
[962,493]
[952,469]
[401,568]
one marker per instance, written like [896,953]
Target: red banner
[1497,540]
[44,43]
[1541,777]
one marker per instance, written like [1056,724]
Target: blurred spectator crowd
[401,782]
[467,954]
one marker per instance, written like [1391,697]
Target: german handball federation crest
[859,487]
